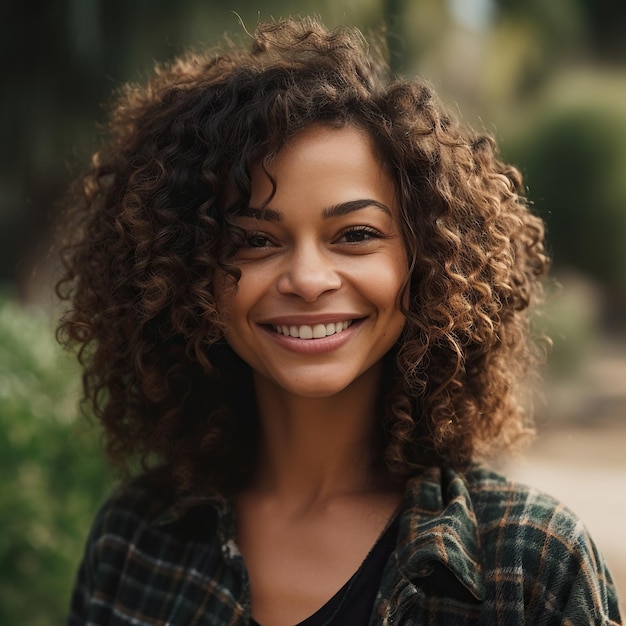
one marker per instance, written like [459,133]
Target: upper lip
[309,320]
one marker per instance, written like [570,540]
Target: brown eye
[359,234]
[257,241]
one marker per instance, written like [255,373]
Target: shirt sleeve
[84,584]
[592,596]
[570,583]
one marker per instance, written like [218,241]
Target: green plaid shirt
[471,549]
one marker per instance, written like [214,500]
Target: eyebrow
[337,210]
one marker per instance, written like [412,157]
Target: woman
[300,293]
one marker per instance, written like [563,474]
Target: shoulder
[496,498]
[124,524]
[119,526]
[129,506]
[484,545]
[150,555]
[531,540]
[143,521]
[145,507]
[510,508]
[507,524]
[530,525]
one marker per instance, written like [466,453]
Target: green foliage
[570,318]
[573,162]
[53,475]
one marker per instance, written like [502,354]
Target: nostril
[309,282]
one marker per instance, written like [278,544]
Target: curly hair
[151,227]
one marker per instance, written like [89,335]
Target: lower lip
[314,346]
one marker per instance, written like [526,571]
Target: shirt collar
[187,503]
[209,511]
[438,524]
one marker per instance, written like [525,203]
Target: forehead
[324,160]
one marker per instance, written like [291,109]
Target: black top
[353,603]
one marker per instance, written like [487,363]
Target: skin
[325,250]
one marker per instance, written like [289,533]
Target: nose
[308,273]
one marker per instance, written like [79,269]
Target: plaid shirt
[471,549]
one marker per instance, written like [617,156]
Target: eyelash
[366,232]
[252,236]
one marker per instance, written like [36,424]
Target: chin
[321,390]
[327,385]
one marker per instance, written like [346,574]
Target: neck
[314,448]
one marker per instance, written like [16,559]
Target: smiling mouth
[317,331]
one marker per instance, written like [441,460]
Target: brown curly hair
[150,226]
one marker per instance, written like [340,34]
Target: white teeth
[319,331]
[306,332]
[312,332]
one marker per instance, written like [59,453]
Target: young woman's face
[317,305]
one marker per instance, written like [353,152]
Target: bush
[54,477]
[573,160]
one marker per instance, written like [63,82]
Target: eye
[257,240]
[359,234]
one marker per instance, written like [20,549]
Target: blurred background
[547,78]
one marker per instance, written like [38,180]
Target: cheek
[387,285]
